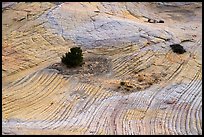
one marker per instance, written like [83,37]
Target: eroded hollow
[94,65]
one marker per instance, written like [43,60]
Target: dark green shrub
[73,58]
[177,48]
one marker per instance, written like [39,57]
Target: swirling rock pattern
[162,93]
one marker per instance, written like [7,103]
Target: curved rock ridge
[131,82]
[96,29]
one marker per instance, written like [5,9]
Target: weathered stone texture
[162,93]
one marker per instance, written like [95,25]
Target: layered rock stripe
[165,94]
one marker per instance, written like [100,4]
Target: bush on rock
[73,58]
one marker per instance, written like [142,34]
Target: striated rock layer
[131,83]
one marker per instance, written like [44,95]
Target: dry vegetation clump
[140,81]
[125,86]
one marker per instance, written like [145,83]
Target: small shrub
[177,48]
[73,58]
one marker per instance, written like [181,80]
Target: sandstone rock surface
[162,93]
